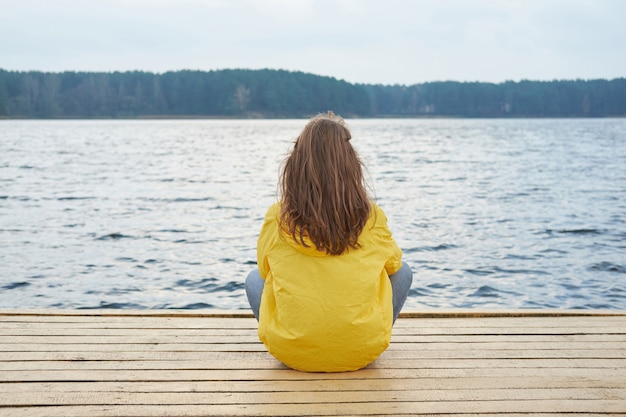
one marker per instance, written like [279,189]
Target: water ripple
[608,267]
[165,214]
[115,236]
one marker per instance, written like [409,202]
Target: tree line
[279,93]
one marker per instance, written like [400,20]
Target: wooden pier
[92,363]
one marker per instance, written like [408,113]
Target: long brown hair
[323,192]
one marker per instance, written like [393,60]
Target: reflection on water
[165,214]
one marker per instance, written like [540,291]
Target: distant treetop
[277,93]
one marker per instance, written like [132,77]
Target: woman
[330,280]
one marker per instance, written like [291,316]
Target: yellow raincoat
[326,313]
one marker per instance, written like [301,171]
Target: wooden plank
[270,363]
[418,326]
[204,326]
[398,339]
[166,347]
[281,373]
[121,319]
[370,408]
[237,345]
[581,340]
[315,385]
[214,313]
[111,363]
[312,398]
[43,330]
[247,337]
[486,341]
[172,313]
[131,322]
[502,351]
[190,412]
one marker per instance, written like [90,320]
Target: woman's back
[323,312]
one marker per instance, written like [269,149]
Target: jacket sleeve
[267,236]
[392,251]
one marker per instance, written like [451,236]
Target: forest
[286,94]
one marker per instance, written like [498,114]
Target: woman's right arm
[267,237]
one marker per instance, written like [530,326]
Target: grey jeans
[400,285]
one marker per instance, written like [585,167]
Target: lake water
[165,213]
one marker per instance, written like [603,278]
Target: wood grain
[153,363]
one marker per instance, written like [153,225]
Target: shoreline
[349,117]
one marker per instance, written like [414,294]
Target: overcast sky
[365,41]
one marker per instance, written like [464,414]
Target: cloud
[361,41]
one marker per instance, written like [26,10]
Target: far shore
[266,117]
